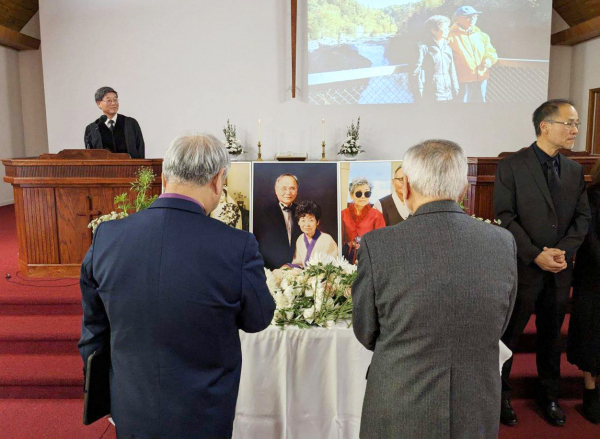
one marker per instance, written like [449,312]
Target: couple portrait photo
[295,212]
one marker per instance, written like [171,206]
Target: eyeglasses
[359,194]
[111,101]
[566,124]
[399,179]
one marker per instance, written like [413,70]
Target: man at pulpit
[113,131]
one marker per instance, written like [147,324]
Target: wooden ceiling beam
[575,12]
[577,34]
[17,40]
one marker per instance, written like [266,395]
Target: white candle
[259,130]
[323,129]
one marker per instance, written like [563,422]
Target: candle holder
[323,159]
[259,159]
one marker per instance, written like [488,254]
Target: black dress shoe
[552,412]
[507,413]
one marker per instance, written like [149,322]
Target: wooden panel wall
[40,226]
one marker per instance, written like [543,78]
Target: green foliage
[145,178]
[337,18]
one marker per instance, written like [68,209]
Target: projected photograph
[427,51]
[370,198]
[295,211]
[234,206]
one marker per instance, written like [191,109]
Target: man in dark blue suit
[166,290]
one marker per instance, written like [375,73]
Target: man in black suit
[392,206]
[540,197]
[113,131]
[277,230]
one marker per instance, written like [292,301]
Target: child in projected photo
[434,75]
[359,217]
[312,240]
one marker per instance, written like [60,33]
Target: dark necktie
[555,187]
[287,211]
[111,125]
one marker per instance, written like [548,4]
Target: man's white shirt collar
[113,119]
[402,209]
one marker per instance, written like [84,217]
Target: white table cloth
[301,384]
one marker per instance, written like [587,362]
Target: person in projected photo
[312,240]
[474,55]
[359,217]
[434,74]
[392,206]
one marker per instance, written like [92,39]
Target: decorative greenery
[351,145]
[145,178]
[319,295]
[232,144]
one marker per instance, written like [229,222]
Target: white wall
[559,81]
[32,94]
[11,120]
[191,65]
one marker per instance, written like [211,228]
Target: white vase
[350,158]
[234,157]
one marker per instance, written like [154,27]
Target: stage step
[39,334]
[41,376]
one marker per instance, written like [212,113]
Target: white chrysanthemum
[308,314]
[329,324]
[289,315]
[319,257]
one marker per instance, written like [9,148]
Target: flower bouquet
[351,146]
[318,295]
[232,144]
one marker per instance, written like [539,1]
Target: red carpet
[41,371]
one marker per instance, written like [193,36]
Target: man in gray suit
[432,297]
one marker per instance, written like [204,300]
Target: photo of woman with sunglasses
[359,217]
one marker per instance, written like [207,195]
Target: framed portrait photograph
[234,205]
[295,211]
[370,198]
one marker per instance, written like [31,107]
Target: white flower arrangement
[232,144]
[496,221]
[318,295]
[351,145]
[108,217]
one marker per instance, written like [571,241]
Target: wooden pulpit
[57,195]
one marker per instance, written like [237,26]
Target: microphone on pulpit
[102,119]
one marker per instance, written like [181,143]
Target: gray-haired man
[176,287]
[113,131]
[432,298]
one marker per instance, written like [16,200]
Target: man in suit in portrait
[113,131]
[392,206]
[433,310]
[166,291]
[540,197]
[277,229]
